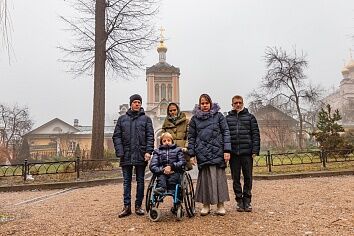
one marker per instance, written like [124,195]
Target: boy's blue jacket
[167,155]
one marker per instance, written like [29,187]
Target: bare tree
[14,123]
[5,27]
[111,33]
[284,84]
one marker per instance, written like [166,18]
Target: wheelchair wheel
[179,213]
[154,214]
[188,195]
[148,196]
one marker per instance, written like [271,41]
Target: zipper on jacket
[238,135]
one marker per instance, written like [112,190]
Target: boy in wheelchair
[167,163]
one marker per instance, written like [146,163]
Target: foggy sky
[218,46]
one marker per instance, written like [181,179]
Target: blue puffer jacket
[208,137]
[244,131]
[167,155]
[133,137]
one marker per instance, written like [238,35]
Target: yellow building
[57,137]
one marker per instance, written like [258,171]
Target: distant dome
[345,71]
[350,65]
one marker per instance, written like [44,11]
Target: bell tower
[162,82]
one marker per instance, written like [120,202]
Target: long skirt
[212,186]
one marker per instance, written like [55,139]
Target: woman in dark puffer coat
[209,142]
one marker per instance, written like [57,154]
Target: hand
[184,150]
[226,157]
[254,155]
[193,161]
[167,170]
[147,156]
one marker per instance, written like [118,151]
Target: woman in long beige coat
[176,123]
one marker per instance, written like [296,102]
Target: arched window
[169,92]
[157,93]
[163,91]
[163,109]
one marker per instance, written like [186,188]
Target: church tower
[162,82]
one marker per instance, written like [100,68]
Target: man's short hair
[237,97]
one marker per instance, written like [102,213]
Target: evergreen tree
[24,151]
[328,129]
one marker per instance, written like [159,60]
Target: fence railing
[267,160]
[58,167]
[319,157]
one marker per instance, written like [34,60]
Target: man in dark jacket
[133,140]
[245,145]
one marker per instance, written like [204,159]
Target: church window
[163,109]
[163,91]
[157,93]
[169,92]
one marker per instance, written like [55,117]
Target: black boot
[240,207]
[125,212]
[247,204]
[139,211]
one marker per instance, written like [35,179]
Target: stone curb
[91,183]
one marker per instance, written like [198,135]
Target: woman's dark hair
[206,97]
[172,104]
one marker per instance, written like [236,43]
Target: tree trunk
[300,135]
[97,148]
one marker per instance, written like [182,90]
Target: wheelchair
[183,198]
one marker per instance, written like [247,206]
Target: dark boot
[125,212]
[247,204]
[139,211]
[240,207]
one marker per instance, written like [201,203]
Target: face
[237,104]
[172,111]
[204,105]
[167,141]
[136,105]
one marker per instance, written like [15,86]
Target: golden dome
[350,65]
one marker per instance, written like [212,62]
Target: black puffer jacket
[244,132]
[208,137]
[167,155]
[133,137]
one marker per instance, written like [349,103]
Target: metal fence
[77,166]
[317,157]
[267,160]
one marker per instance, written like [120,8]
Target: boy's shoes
[220,209]
[205,210]
[125,212]
[159,190]
[240,207]
[248,207]
[173,210]
[139,211]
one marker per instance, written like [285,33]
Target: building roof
[263,114]
[66,128]
[162,67]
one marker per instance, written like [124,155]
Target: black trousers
[244,163]
[168,181]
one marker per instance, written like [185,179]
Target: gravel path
[312,206]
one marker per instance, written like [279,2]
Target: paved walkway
[311,206]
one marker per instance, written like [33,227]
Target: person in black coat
[133,140]
[209,142]
[167,163]
[245,145]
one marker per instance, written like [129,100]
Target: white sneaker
[205,210]
[220,209]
